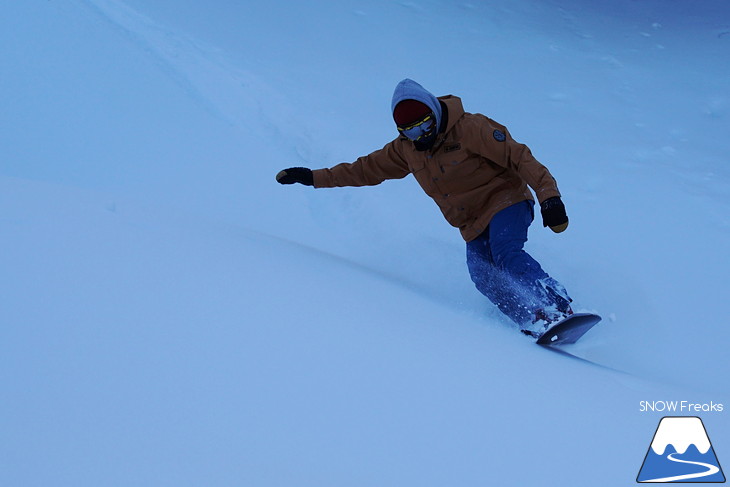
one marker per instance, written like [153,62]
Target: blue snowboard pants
[506,274]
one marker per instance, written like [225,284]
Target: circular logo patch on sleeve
[499,136]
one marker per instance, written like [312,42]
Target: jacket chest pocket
[426,174]
[458,165]
[416,165]
[418,169]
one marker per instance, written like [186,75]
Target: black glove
[293,175]
[553,214]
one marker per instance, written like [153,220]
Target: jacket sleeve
[497,145]
[369,170]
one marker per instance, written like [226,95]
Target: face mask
[420,130]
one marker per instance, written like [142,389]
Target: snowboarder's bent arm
[497,145]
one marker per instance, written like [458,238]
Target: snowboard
[568,330]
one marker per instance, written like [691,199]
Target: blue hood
[410,90]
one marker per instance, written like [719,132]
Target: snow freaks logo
[680,452]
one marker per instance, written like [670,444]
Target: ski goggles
[420,129]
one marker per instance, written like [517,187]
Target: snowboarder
[478,175]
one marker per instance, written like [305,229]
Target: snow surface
[172,316]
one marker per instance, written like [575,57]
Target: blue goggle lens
[422,128]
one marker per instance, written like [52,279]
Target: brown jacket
[474,170]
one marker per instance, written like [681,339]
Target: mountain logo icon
[681,452]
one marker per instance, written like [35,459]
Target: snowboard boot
[546,317]
[556,308]
[556,295]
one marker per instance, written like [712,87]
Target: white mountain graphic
[680,432]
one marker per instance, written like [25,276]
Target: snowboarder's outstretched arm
[369,170]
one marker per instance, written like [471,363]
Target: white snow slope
[171,316]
